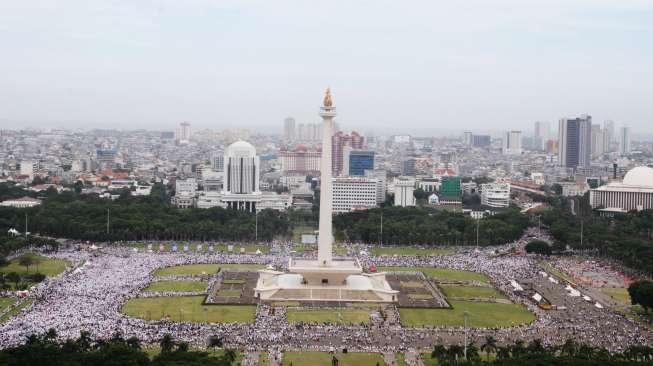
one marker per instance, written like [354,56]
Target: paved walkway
[413,358]
[250,358]
[389,359]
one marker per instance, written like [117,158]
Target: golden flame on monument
[327,102]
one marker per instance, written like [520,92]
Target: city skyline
[421,67]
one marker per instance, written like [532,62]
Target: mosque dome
[639,176]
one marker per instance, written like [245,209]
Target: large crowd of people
[89,296]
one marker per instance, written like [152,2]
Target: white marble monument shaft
[325,238]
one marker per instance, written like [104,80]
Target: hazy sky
[420,66]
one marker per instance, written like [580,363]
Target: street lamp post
[256,225]
[539,225]
[381,236]
[465,314]
[478,222]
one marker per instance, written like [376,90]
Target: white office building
[183,133]
[185,192]
[495,195]
[404,188]
[624,140]
[354,193]
[512,143]
[186,187]
[381,176]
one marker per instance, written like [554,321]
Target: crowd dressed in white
[89,295]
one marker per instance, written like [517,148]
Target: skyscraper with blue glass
[360,161]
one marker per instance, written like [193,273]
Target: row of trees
[45,350]
[420,225]
[21,281]
[535,353]
[70,215]
[627,238]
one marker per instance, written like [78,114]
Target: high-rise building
[106,158]
[339,141]
[358,161]
[27,167]
[289,129]
[598,141]
[512,143]
[217,161]
[624,140]
[183,133]
[467,138]
[301,160]
[541,132]
[574,142]
[450,187]
[381,177]
[241,168]
[409,166]
[309,132]
[608,126]
[481,140]
[404,188]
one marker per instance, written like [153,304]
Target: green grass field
[47,266]
[6,302]
[392,250]
[412,284]
[401,359]
[177,286]
[299,230]
[303,248]
[311,358]
[198,269]
[442,273]
[263,359]
[286,303]
[233,282]
[481,314]
[230,293]
[336,316]
[619,294]
[188,308]
[470,292]
[428,361]
[15,311]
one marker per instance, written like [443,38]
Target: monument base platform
[306,280]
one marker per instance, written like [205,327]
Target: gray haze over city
[418,67]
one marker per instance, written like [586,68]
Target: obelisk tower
[325,238]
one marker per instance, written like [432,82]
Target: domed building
[240,184]
[635,192]
[241,168]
